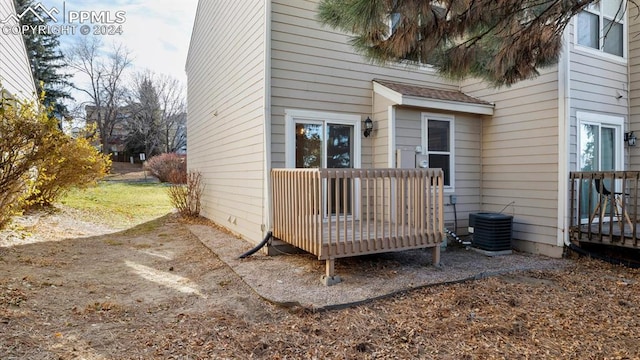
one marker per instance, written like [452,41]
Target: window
[324,140]
[438,144]
[600,148]
[394,21]
[600,142]
[601,26]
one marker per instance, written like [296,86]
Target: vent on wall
[491,231]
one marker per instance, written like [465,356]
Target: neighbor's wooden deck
[615,225]
[608,234]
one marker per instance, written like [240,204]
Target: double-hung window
[601,26]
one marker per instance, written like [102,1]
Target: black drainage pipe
[258,247]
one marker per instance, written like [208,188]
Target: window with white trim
[317,139]
[438,144]
[601,27]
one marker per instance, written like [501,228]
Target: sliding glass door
[600,147]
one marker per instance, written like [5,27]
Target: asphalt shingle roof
[430,93]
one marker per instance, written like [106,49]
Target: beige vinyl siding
[520,155]
[634,83]
[15,71]
[315,68]
[225,75]
[380,134]
[595,82]
[467,137]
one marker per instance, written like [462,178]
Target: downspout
[564,117]
[627,88]
[564,113]
[267,211]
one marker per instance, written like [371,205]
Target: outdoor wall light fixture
[368,127]
[630,138]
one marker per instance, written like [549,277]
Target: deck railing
[335,213]
[604,207]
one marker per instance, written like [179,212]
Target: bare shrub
[186,197]
[168,167]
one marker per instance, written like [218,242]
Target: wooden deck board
[609,235]
[368,240]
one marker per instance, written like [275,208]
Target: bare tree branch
[105,88]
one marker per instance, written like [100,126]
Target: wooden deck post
[329,278]
[435,255]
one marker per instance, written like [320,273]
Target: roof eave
[438,104]
[457,106]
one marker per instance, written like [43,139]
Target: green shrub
[168,167]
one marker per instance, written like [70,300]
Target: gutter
[267,215]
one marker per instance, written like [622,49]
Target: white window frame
[600,51]
[600,119]
[294,116]
[452,145]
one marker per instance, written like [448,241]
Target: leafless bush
[186,197]
[168,167]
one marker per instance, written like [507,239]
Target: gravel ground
[294,279]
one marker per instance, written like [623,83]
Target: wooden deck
[355,238]
[611,233]
[605,208]
[335,213]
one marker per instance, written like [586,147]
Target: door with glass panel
[322,144]
[600,148]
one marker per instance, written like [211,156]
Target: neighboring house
[123,126]
[117,136]
[263,74]
[15,72]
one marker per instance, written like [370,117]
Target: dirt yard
[76,290]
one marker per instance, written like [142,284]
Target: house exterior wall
[315,68]
[516,161]
[467,134]
[15,71]
[532,115]
[596,82]
[520,158]
[380,136]
[226,100]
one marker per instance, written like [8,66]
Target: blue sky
[156,32]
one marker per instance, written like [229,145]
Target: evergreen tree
[502,41]
[47,61]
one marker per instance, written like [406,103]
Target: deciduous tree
[105,86]
[158,115]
